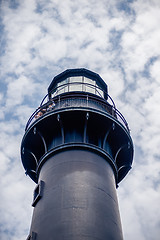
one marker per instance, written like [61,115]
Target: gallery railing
[79,99]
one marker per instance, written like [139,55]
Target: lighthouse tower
[77,148]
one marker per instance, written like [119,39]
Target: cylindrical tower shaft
[78,198]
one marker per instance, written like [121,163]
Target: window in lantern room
[75,83]
[62,86]
[90,85]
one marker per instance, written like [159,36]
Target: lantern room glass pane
[62,87]
[75,84]
[90,85]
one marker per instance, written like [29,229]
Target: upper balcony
[77,88]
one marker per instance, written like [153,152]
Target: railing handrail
[61,87]
[35,112]
[115,111]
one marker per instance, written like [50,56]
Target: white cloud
[141,40]
[155,70]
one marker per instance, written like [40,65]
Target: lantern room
[78,80]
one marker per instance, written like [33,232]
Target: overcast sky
[120,40]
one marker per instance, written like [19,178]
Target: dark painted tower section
[77,148]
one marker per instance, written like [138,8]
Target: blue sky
[120,40]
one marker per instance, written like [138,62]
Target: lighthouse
[77,148]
